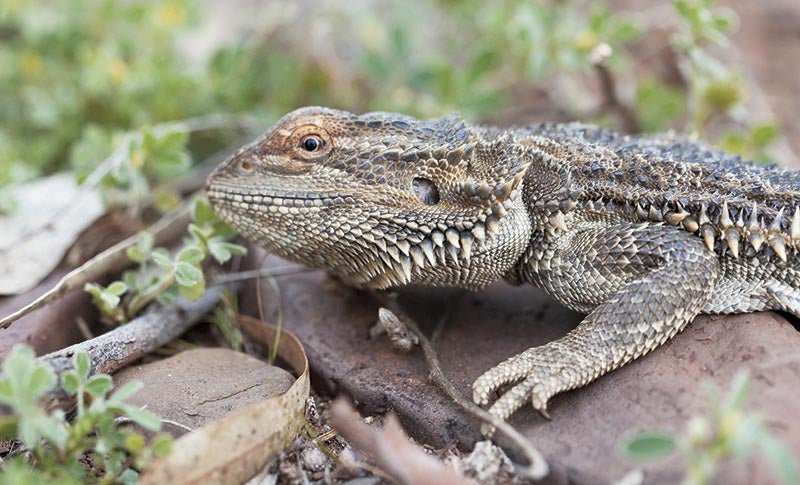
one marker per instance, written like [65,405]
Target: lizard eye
[425,190]
[311,143]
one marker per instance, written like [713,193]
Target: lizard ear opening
[425,190]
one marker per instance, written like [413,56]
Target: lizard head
[379,199]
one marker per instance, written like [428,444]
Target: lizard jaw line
[244,199]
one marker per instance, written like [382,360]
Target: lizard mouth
[244,199]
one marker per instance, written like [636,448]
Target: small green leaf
[82,365]
[129,278]
[168,296]
[187,274]
[781,459]
[723,94]
[161,258]
[193,292]
[202,213]
[128,477]
[69,382]
[745,436]
[117,288]
[41,380]
[125,391]
[161,444]
[98,385]
[19,365]
[650,445]
[93,289]
[143,418]
[740,390]
[198,234]
[145,242]
[135,254]
[222,251]
[192,255]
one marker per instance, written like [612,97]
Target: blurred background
[82,80]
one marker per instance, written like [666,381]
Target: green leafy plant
[162,277]
[729,431]
[93,447]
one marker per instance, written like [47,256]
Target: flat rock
[202,385]
[581,443]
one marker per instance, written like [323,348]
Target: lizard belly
[755,284]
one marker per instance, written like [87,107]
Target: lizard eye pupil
[311,143]
[425,190]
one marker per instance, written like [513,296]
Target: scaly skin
[642,234]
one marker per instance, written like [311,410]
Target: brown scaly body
[641,234]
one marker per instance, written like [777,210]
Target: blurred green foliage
[77,76]
[86,69]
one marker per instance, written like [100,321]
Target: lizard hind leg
[642,314]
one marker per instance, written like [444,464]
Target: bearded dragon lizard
[640,233]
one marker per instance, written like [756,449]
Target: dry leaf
[391,449]
[50,214]
[235,448]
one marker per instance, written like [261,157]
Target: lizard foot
[534,383]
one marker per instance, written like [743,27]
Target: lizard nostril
[425,190]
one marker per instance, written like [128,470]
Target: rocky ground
[582,441]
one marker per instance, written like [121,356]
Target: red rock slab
[202,385]
[660,391]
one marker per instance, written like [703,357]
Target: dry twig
[115,349]
[112,260]
[391,449]
[537,466]
[608,88]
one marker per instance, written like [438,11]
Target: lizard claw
[508,371]
[534,384]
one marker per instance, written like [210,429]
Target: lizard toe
[513,399]
[508,371]
[539,398]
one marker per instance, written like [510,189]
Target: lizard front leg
[658,278]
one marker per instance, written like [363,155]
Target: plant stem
[141,300]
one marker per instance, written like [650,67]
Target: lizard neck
[549,197]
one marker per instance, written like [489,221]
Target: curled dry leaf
[235,448]
[391,449]
[50,214]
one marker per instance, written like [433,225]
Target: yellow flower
[118,70]
[30,64]
[171,14]
[586,40]
[137,160]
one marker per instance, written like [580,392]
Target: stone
[660,391]
[202,385]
